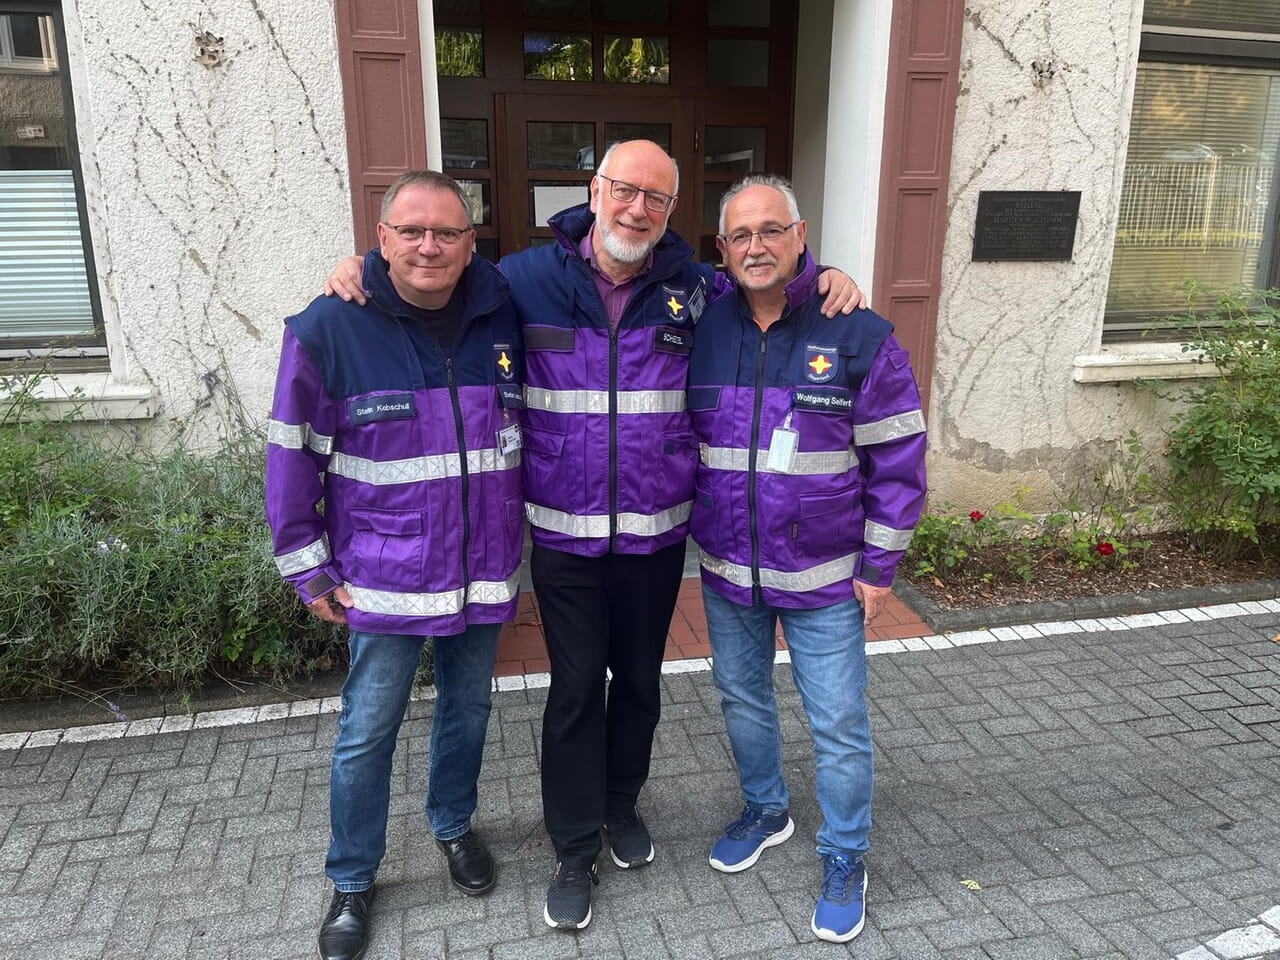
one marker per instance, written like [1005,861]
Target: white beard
[621,250]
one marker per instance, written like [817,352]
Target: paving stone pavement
[1097,794]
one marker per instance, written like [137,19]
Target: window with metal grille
[1199,203]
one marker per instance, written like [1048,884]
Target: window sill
[88,397]
[1126,362]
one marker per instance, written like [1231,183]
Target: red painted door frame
[381,63]
[920,112]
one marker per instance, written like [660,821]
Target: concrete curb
[943,620]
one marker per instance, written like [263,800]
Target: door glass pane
[1260,16]
[738,13]
[561,146]
[636,59]
[548,199]
[1197,198]
[581,9]
[468,8]
[734,149]
[487,247]
[477,192]
[659,133]
[651,11]
[557,56]
[737,63]
[465,143]
[459,52]
[711,194]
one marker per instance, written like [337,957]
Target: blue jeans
[829,664]
[374,698]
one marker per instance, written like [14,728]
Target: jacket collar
[484,288]
[571,226]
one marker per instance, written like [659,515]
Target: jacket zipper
[752,450]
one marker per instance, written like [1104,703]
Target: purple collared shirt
[614,296]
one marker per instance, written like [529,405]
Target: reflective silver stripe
[890,428]
[441,604]
[887,538]
[295,436]
[805,464]
[304,558]
[594,526]
[597,401]
[435,467]
[799,581]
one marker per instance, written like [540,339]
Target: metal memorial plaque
[1026,224]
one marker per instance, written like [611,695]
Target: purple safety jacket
[794,528]
[609,455]
[386,472]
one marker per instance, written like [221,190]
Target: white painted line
[1253,607]
[145,727]
[44,738]
[1259,936]
[915,644]
[1112,623]
[1027,632]
[1091,626]
[176,724]
[1220,610]
[781,656]
[537,681]
[1174,616]
[1143,620]
[511,683]
[111,730]
[969,637]
[1000,633]
[1195,613]
[13,741]
[303,708]
[273,711]
[938,642]
[885,646]
[1052,628]
[227,718]
[693,665]
[1271,606]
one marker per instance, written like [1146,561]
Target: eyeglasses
[412,233]
[625,192]
[740,239]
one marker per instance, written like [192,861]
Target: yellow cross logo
[675,306]
[504,362]
[820,364]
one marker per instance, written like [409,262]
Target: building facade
[174,181]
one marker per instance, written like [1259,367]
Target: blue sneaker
[841,908]
[746,838]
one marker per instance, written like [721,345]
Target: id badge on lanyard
[782,447]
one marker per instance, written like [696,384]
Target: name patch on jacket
[671,340]
[820,362]
[388,406]
[822,399]
[512,395]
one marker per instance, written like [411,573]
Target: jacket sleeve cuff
[316,583]
[874,574]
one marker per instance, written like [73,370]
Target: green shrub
[122,568]
[1223,448]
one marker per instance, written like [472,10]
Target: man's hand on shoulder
[332,606]
[871,598]
[344,282]
[843,295]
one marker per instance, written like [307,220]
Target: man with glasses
[805,523]
[608,311]
[393,497]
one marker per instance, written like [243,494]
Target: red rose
[1105,548]
[975,516]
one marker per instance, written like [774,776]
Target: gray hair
[675,167]
[431,179]
[781,184]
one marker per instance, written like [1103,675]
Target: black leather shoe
[345,931]
[470,866]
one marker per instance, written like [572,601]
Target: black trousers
[612,611]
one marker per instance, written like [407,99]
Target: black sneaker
[569,897]
[629,842]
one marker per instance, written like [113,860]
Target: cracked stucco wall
[1045,94]
[218,195]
